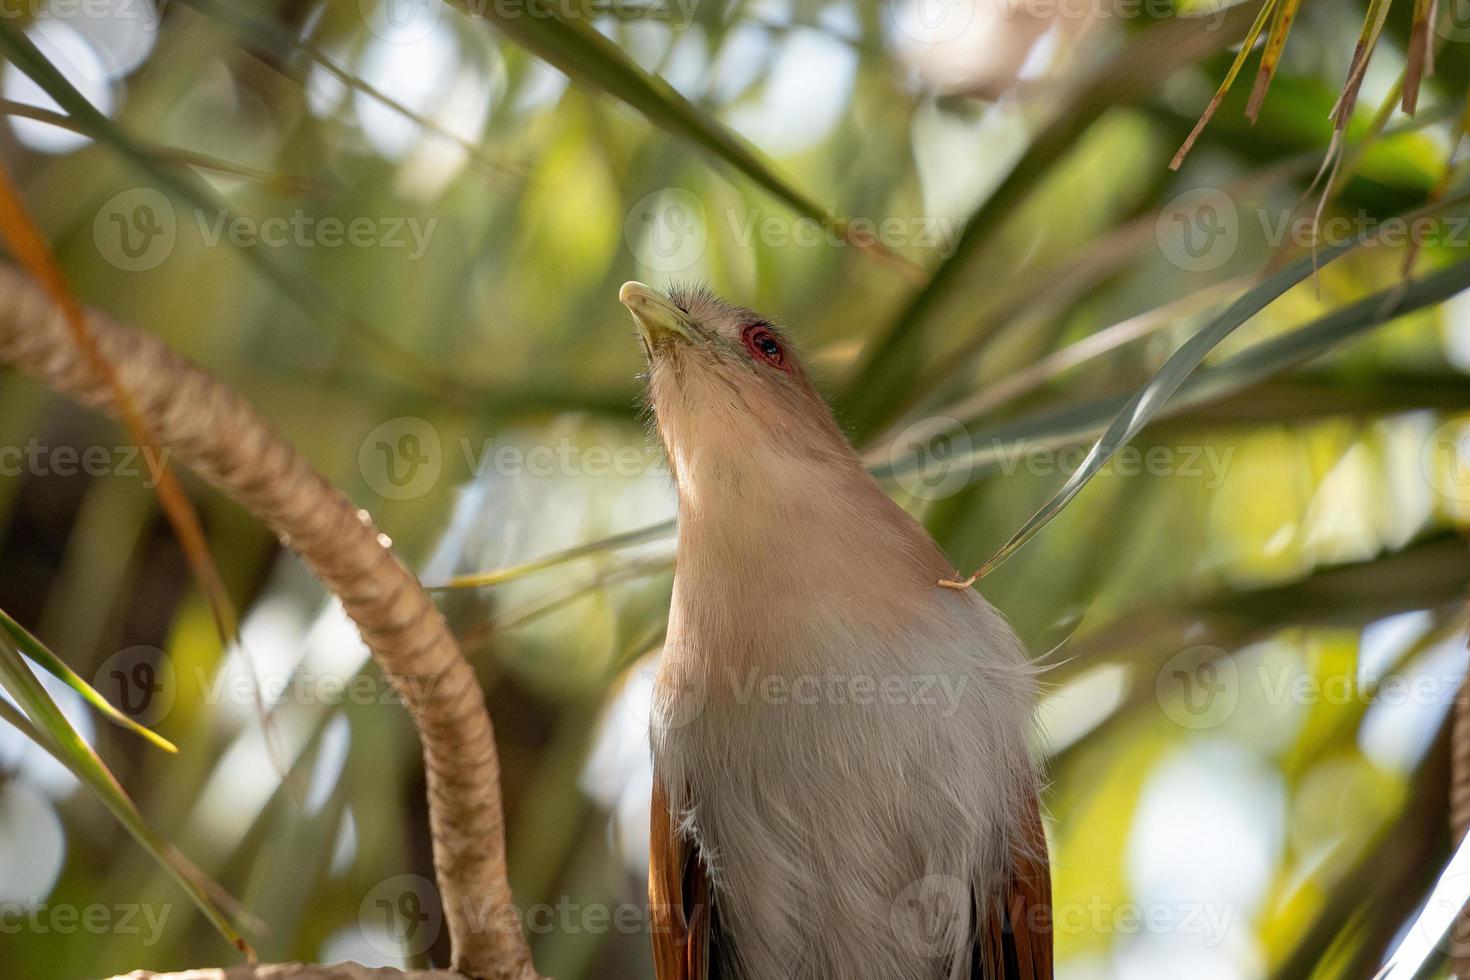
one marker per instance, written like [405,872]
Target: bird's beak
[658,319]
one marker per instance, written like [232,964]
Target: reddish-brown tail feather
[1014,935]
[679,896]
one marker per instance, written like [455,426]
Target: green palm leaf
[890,360]
[577,48]
[85,118]
[54,665]
[1151,398]
[47,727]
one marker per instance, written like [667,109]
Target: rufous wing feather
[1013,938]
[679,896]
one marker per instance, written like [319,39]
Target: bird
[844,786]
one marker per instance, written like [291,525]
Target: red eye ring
[763,345]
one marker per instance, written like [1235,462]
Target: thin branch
[223,438]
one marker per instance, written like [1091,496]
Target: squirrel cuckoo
[843,787]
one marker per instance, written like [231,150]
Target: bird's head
[731,402]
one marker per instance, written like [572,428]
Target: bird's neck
[815,539]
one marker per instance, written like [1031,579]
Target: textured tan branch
[226,441]
[296,971]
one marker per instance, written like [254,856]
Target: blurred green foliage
[405,247]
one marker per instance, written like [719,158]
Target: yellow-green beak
[658,319]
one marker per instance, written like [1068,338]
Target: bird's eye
[764,346]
